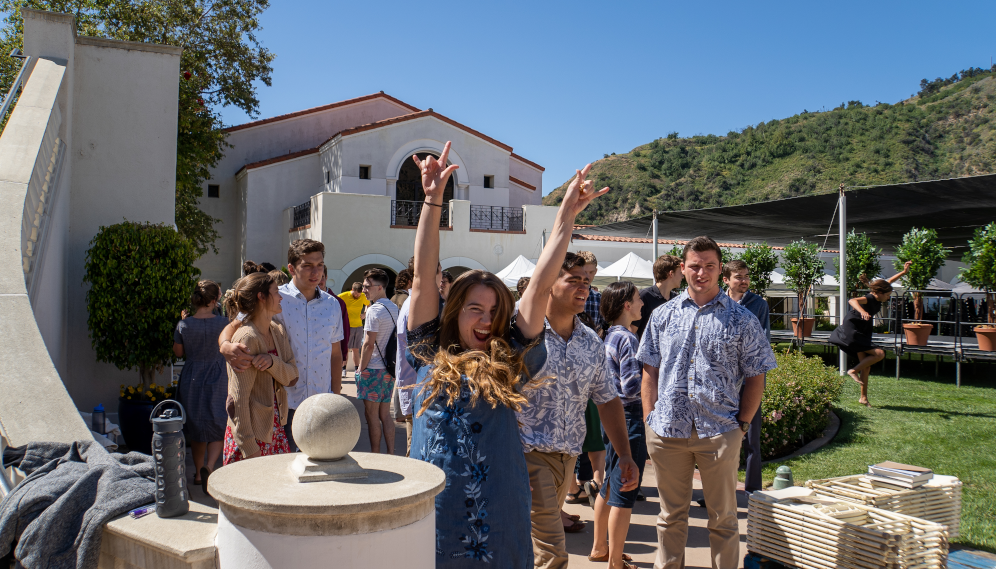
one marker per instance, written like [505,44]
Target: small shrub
[797,401]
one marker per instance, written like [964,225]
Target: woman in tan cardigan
[257,401]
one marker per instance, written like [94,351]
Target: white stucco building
[343,174]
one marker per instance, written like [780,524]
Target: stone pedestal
[357,510]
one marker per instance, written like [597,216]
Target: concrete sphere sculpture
[326,427]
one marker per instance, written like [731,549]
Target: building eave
[313,110]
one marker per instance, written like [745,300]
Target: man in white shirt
[313,321]
[375,382]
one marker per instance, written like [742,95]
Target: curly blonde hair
[493,374]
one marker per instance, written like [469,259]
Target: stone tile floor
[641,542]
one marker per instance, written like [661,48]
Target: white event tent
[629,268]
[520,267]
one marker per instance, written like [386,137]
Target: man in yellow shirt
[356,303]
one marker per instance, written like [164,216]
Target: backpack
[390,354]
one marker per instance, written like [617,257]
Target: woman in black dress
[854,336]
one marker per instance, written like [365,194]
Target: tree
[921,247]
[221,61]
[141,276]
[980,269]
[862,259]
[803,268]
[761,262]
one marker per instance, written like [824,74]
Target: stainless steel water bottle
[169,451]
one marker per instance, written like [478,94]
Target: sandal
[592,489]
[573,498]
[576,527]
[605,558]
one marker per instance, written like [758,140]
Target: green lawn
[924,420]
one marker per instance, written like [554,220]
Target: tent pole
[655,236]
[842,275]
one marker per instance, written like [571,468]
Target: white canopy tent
[520,267]
[629,267]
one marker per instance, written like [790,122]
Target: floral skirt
[278,446]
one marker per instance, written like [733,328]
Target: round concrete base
[411,546]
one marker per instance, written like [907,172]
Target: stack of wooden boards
[897,475]
[800,529]
[938,500]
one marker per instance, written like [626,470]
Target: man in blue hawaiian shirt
[707,346]
[551,424]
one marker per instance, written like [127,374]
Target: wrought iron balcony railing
[302,214]
[407,213]
[496,218]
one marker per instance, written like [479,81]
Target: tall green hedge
[798,398]
[141,276]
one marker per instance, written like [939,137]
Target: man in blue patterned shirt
[551,424]
[707,346]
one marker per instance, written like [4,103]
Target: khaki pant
[674,465]
[550,475]
[408,428]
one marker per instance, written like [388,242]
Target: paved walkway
[641,542]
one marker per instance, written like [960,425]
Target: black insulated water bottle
[169,451]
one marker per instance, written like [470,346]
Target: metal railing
[302,214]
[496,218]
[407,213]
[22,77]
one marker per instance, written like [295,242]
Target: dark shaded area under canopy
[954,207]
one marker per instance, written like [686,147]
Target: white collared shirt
[313,327]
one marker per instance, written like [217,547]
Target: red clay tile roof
[581,237]
[283,158]
[529,162]
[278,118]
[413,116]
[521,183]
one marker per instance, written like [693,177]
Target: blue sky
[564,83]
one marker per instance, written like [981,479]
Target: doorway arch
[409,184]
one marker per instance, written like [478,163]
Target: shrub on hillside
[797,402]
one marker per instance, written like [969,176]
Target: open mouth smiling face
[477,316]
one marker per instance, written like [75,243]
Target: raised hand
[435,174]
[580,192]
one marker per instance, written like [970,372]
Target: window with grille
[213,190]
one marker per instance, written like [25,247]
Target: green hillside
[946,130]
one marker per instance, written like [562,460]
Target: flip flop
[605,558]
[576,527]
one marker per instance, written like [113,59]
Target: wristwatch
[745,426]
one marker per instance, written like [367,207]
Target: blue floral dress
[482,516]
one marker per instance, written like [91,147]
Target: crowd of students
[505,395]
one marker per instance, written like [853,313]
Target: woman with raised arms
[473,359]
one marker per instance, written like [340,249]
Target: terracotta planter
[807,327]
[987,338]
[917,334]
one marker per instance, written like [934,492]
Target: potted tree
[926,254]
[803,271]
[862,259]
[980,272]
[141,276]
